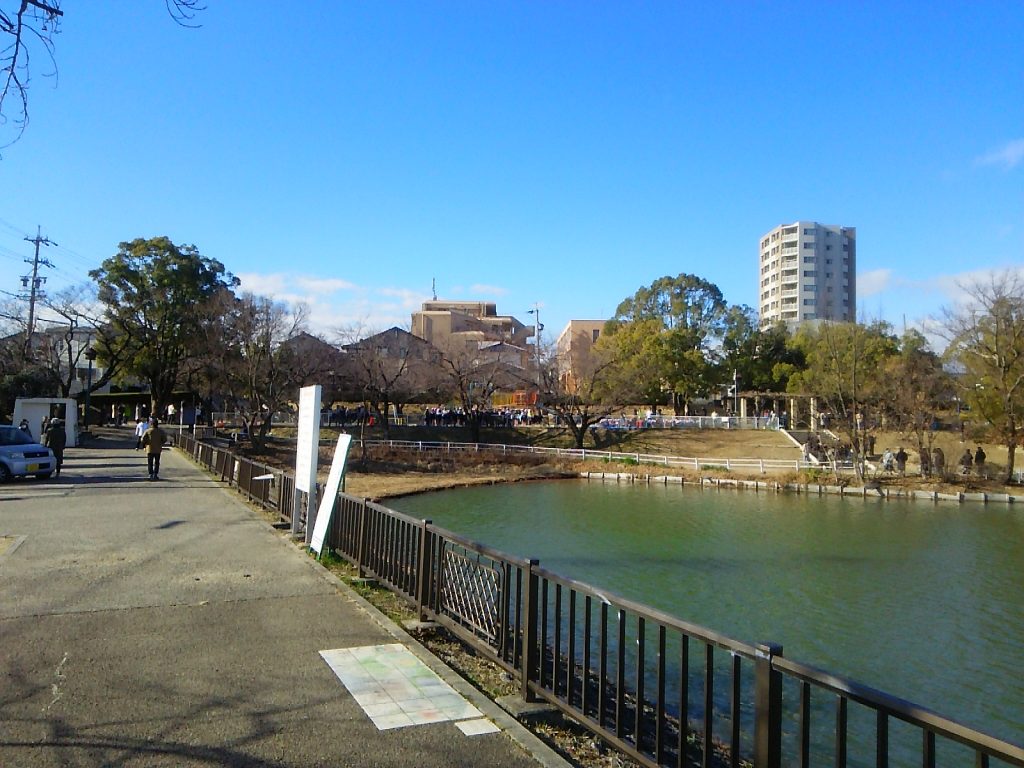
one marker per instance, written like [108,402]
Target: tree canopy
[152,292]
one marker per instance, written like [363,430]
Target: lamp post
[90,355]
[540,327]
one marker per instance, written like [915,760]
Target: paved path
[166,624]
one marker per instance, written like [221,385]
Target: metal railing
[663,691]
[584,454]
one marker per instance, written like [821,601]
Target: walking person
[979,461]
[56,439]
[141,425]
[153,440]
[901,461]
[966,461]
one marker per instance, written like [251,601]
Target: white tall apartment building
[808,272]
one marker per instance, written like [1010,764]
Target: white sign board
[308,442]
[330,492]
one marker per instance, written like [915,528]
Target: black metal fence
[661,690]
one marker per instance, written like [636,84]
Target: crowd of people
[445,416]
[933,462]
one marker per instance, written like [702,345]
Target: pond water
[923,601]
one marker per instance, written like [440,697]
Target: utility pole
[33,284]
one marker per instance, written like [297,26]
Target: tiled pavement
[396,689]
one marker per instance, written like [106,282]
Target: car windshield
[15,436]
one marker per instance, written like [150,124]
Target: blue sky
[553,153]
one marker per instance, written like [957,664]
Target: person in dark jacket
[56,438]
[979,460]
[153,441]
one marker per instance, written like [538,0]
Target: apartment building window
[828,275]
[809,273]
[846,246]
[808,259]
[808,231]
[808,246]
[789,231]
[808,302]
[828,261]
[829,289]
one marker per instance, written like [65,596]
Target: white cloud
[408,298]
[955,287]
[873,282]
[263,285]
[1008,156]
[335,304]
[324,285]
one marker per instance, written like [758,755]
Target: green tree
[987,339]
[762,358]
[687,314]
[639,373]
[844,361]
[154,294]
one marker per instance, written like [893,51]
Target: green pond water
[923,601]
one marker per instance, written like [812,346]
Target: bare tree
[472,378]
[267,356]
[392,367]
[986,337]
[28,27]
[62,349]
[583,393]
[915,388]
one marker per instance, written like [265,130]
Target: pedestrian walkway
[167,624]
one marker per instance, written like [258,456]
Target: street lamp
[90,355]
[540,327]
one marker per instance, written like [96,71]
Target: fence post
[423,570]
[530,624]
[361,547]
[767,708]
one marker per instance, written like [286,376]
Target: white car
[21,455]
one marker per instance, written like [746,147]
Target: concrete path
[167,624]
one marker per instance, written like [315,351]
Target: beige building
[476,326]
[808,272]
[574,347]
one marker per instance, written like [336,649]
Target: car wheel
[44,475]
[5,474]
